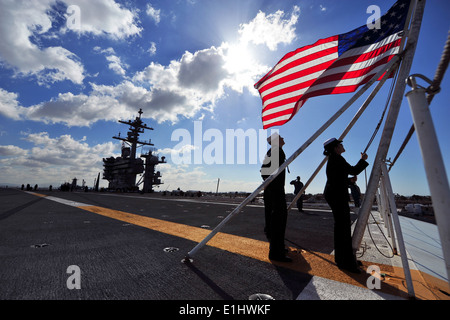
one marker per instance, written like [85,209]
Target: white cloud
[10,150]
[197,80]
[105,17]
[153,13]
[183,149]
[202,70]
[66,151]
[9,106]
[19,21]
[185,87]
[270,29]
[115,63]
[22,21]
[152,49]
[195,178]
[53,160]
[78,110]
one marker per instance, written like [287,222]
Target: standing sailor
[275,199]
[298,185]
[336,194]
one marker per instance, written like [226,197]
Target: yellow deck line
[309,262]
[426,287]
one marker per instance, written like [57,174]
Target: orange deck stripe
[426,287]
[313,263]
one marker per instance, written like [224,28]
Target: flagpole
[347,129]
[388,130]
[266,182]
[412,5]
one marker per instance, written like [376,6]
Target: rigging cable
[388,99]
[370,234]
[391,90]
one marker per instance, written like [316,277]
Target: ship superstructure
[121,171]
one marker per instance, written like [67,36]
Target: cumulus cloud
[202,70]
[270,29]
[9,106]
[115,63]
[47,64]
[10,150]
[152,49]
[53,160]
[22,22]
[78,110]
[105,17]
[195,178]
[197,80]
[66,151]
[155,14]
[184,87]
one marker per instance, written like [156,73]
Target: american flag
[337,64]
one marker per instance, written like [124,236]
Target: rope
[370,234]
[432,90]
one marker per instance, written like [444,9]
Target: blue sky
[63,86]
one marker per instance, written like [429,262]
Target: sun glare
[238,58]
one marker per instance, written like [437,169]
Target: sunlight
[238,58]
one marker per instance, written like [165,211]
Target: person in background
[355,191]
[298,185]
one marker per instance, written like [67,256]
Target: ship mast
[136,127]
[121,172]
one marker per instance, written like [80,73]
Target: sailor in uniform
[336,194]
[275,199]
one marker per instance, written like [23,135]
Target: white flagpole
[388,130]
[293,157]
[433,163]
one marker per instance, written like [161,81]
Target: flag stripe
[336,83]
[302,63]
[298,77]
[355,70]
[298,54]
[298,80]
[355,74]
[337,64]
[318,83]
[354,56]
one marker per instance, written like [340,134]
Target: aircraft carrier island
[121,171]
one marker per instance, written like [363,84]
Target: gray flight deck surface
[40,237]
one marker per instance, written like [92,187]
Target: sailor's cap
[331,142]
